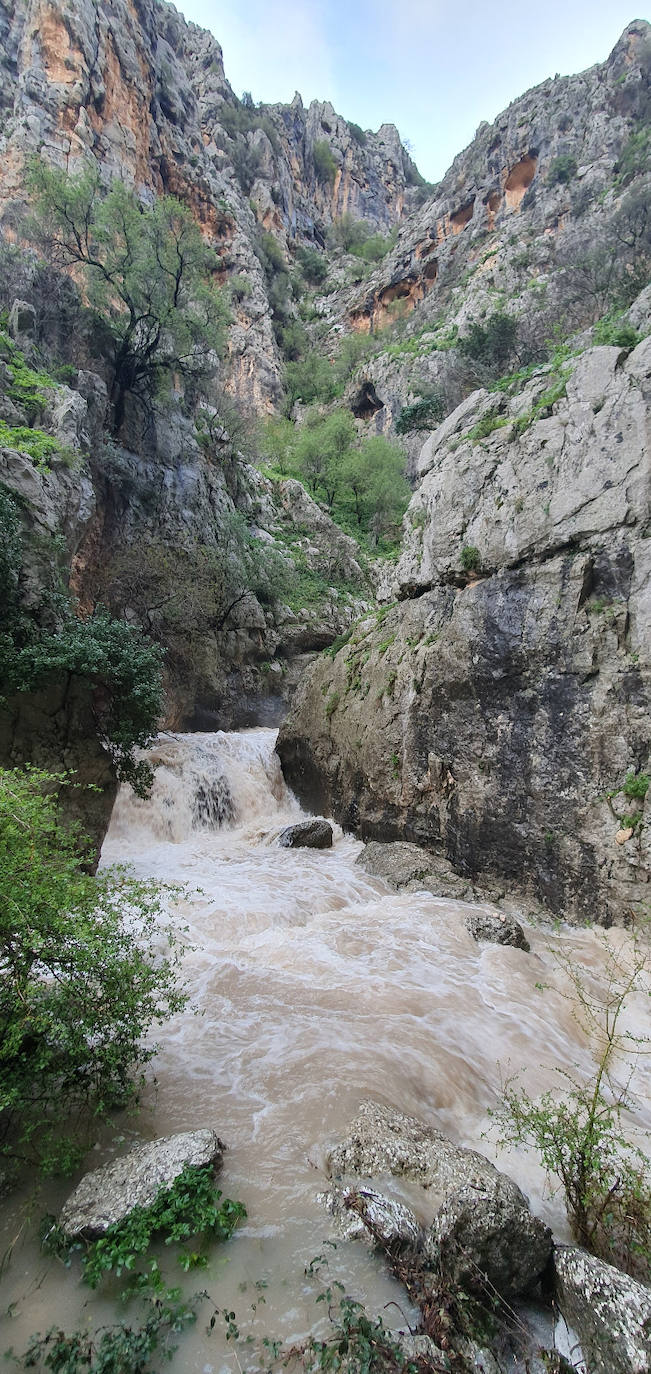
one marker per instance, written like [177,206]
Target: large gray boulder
[609,1311]
[316,834]
[481,1228]
[109,1194]
[393,1222]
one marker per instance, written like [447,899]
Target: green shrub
[190,1209]
[332,703]
[425,414]
[357,133]
[325,166]
[470,558]
[313,265]
[612,329]
[34,442]
[83,977]
[562,170]
[634,156]
[490,422]
[493,343]
[310,379]
[50,641]
[636,785]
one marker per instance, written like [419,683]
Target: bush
[493,343]
[580,1132]
[325,166]
[634,157]
[82,979]
[425,414]
[562,170]
[357,133]
[50,640]
[613,330]
[310,379]
[313,265]
[470,558]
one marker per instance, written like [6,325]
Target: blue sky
[433,67]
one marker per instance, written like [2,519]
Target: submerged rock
[408,868]
[482,1228]
[107,1195]
[610,1312]
[496,927]
[316,834]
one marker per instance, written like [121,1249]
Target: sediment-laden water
[314,987]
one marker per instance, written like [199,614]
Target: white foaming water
[317,987]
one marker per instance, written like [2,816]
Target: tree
[374,473]
[82,978]
[147,274]
[325,166]
[319,450]
[493,343]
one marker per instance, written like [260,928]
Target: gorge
[377,479]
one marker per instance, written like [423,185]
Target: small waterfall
[207,782]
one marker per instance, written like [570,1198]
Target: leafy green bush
[190,1209]
[357,133]
[119,1349]
[82,979]
[470,558]
[325,166]
[580,1132]
[612,329]
[354,236]
[38,445]
[493,343]
[634,156]
[562,170]
[49,640]
[636,785]
[310,379]
[425,414]
[313,265]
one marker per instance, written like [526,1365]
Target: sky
[435,68]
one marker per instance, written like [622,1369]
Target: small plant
[636,785]
[38,445]
[119,1349]
[470,558]
[612,330]
[425,414]
[490,422]
[580,1133]
[325,166]
[332,703]
[562,170]
[190,1208]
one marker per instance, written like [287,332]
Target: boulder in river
[394,1223]
[109,1194]
[496,927]
[609,1311]
[482,1227]
[313,834]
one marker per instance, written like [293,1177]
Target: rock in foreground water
[482,1226]
[496,927]
[107,1195]
[610,1312]
[316,834]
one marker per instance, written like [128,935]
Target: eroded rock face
[491,711]
[610,1312]
[109,1194]
[481,1225]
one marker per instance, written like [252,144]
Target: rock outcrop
[609,1311]
[315,834]
[477,1222]
[495,712]
[107,1195]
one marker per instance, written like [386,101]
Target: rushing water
[316,987]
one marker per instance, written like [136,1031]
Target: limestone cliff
[498,712]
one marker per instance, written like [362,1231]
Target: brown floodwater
[313,987]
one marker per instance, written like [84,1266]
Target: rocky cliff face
[131,84]
[496,710]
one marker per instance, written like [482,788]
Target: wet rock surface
[496,928]
[481,1228]
[610,1312]
[316,834]
[109,1194]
